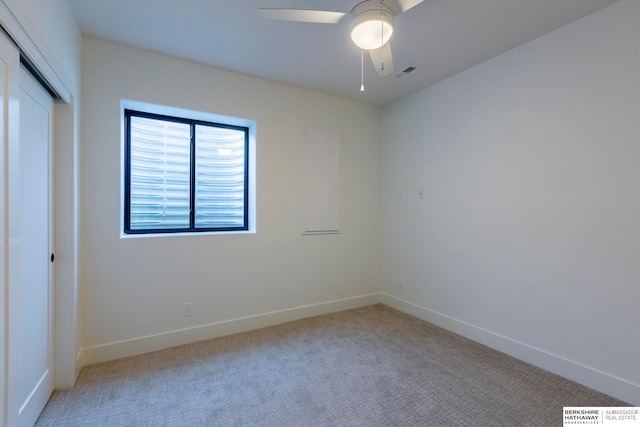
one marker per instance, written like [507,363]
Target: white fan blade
[302,15]
[408,4]
[399,6]
[382,60]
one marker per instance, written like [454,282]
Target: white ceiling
[441,37]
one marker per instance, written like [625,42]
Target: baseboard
[585,375]
[132,347]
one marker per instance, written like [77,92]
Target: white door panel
[32,335]
[9,90]
[26,289]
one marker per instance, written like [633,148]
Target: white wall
[528,236]
[134,288]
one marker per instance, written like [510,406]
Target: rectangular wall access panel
[321,182]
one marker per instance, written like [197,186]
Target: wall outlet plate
[187,309]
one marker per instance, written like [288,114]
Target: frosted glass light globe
[371,29]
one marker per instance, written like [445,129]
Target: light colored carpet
[371,366]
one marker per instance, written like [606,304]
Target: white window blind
[184,175]
[160,174]
[220,177]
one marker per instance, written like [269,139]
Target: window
[184,175]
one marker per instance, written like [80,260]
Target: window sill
[200,233]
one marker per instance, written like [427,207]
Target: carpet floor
[371,366]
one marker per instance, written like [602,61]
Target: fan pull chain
[381,40]
[362,71]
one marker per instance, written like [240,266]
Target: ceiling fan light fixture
[371,29]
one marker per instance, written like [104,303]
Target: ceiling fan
[371,26]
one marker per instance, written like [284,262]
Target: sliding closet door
[26,293]
[31,304]
[9,91]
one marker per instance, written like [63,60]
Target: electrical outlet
[187,309]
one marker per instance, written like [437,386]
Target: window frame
[128,113]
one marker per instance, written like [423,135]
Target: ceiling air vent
[406,71]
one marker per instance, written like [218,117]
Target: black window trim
[128,113]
